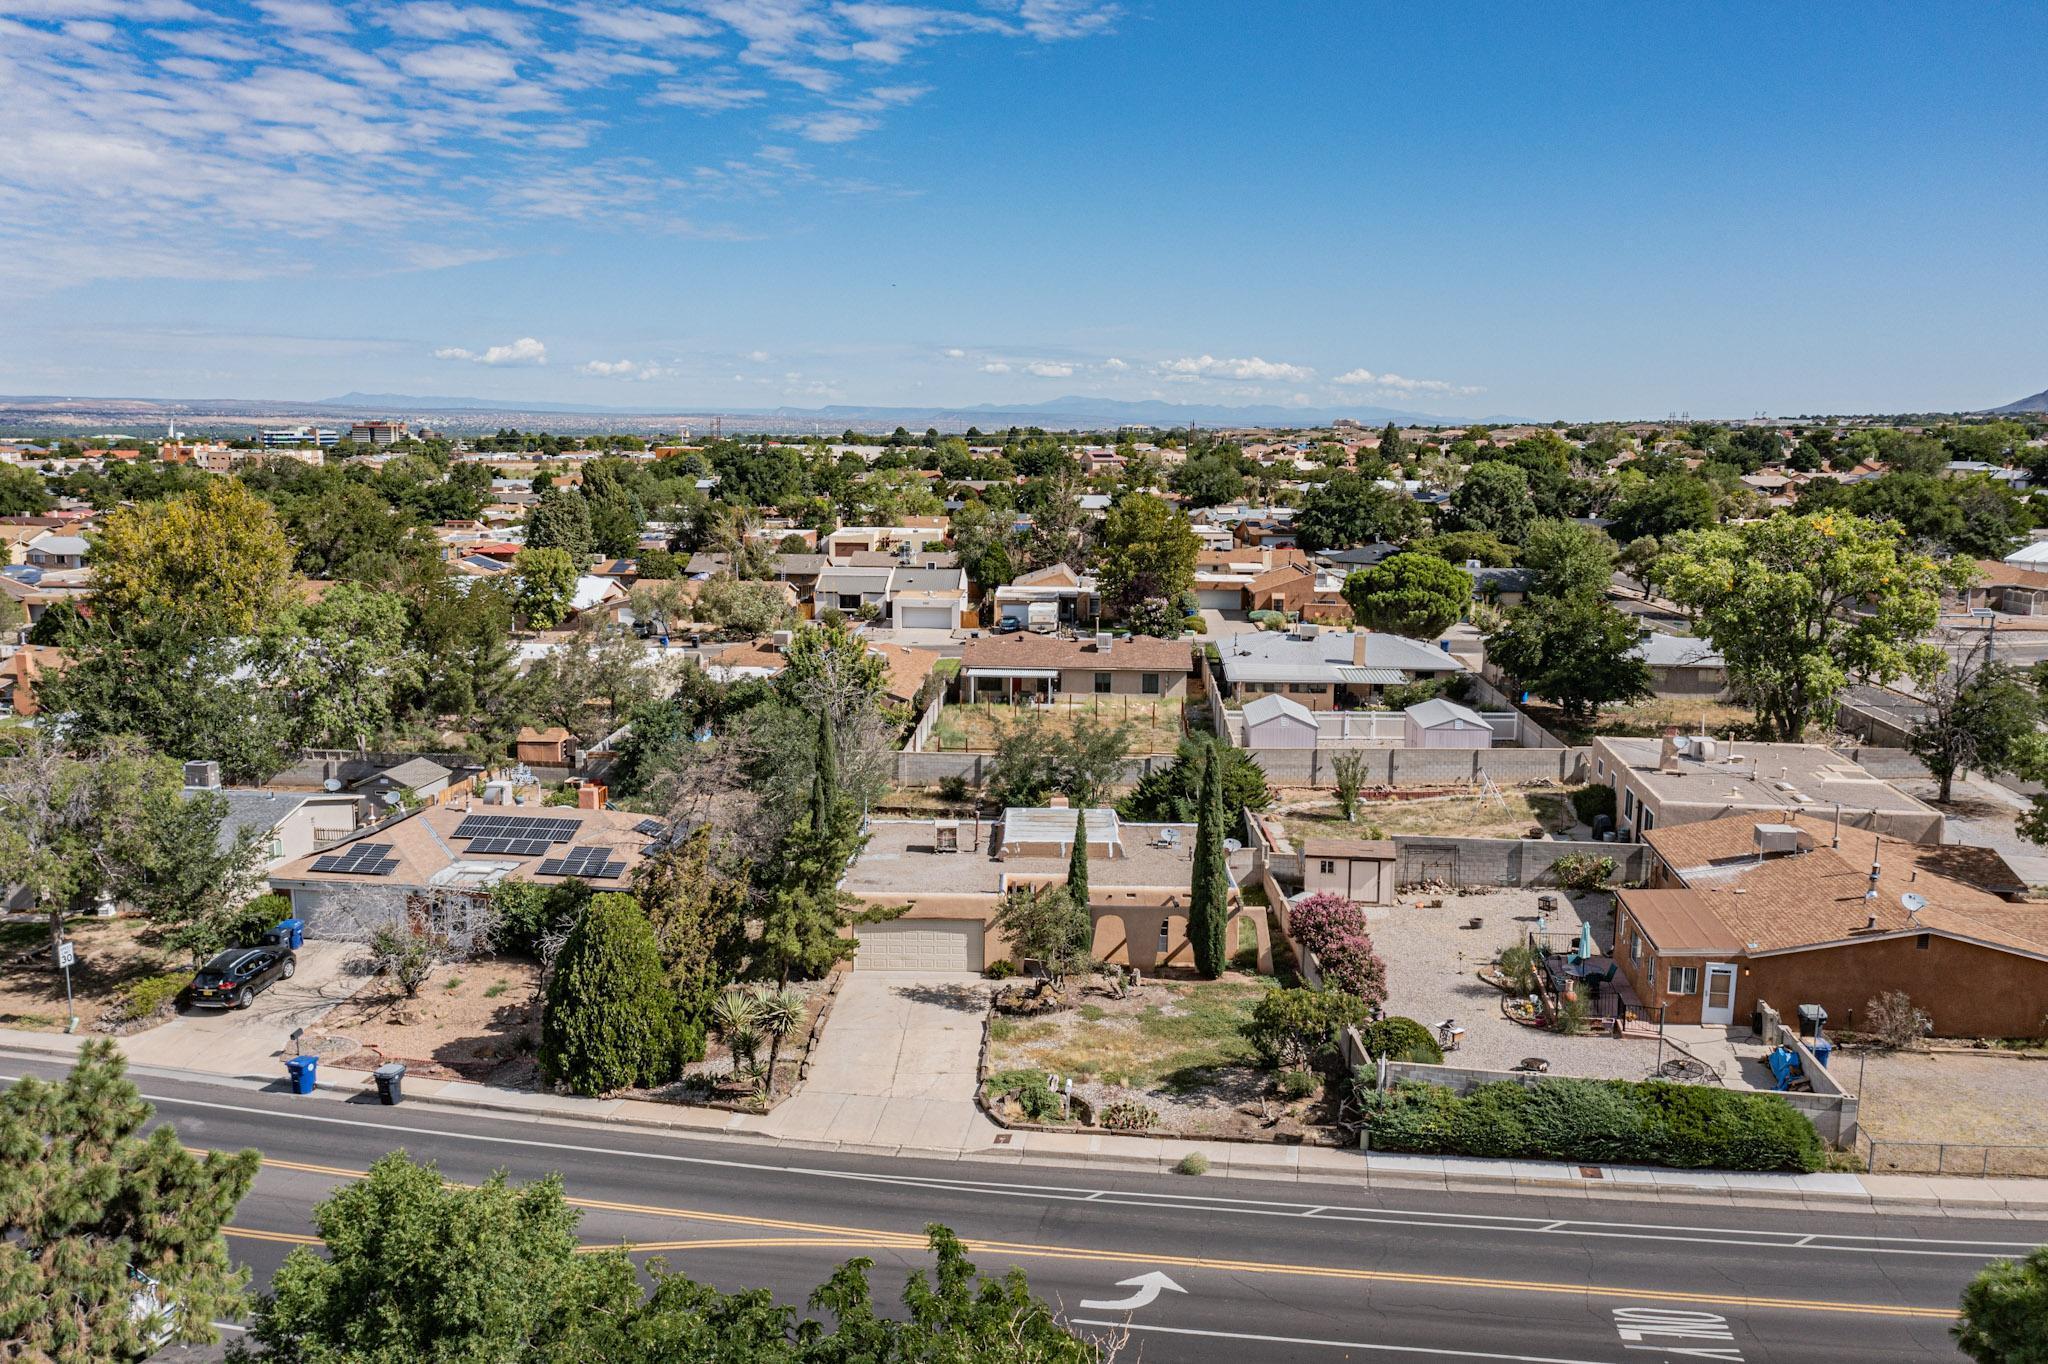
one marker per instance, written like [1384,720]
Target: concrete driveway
[253,1041]
[895,1067]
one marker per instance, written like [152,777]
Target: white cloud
[624,369]
[306,16]
[1048,369]
[465,65]
[524,351]
[837,126]
[1398,383]
[1114,365]
[712,94]
[995,367]
[759,357]
[1201,367]
[954,353]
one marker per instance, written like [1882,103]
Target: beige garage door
[919,945]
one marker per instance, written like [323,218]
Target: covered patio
[1011,684]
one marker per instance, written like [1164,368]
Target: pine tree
[697,915]
[86,1204]
[611,1018]
[800,934]
[1209,902]
[1077,863]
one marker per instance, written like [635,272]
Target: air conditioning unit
[1778,839]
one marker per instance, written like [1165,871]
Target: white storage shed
[1276,722]
[1445,724]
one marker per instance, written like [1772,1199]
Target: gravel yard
[1432,965]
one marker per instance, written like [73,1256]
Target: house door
[1718,1004]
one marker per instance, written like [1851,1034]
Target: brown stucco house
[953,874]
[1041,667]
[1794,910]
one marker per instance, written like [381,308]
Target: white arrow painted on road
[1149,1287]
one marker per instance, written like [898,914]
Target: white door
[1718,1005]
[919,945]
[925,618]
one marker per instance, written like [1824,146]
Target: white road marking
[1706,1335]
[1332,1344]
[1148,1285]
[1631,1231]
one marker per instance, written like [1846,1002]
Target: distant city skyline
[1604,211]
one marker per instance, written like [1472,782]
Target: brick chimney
[1056,801]
[1358,646]
[590,796]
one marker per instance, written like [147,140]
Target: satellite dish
[1913,903]
[1232,845]
[331,784]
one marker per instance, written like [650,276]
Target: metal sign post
[66,955]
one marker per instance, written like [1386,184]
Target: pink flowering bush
[1349,964]
[1320,919]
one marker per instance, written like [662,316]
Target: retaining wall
[1505,861]
[1425,766]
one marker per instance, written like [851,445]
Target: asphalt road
[1259,1271]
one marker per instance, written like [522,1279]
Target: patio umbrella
[1585,952]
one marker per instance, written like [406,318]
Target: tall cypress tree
[1077,863]
[1209,900]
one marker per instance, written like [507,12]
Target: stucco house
[1025,667]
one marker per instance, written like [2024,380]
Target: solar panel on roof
[359,859]
[591,864]
[517,826]
[650,827]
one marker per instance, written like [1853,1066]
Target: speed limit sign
[67,955]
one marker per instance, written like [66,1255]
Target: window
[1685,980]
[1150,684]
[1922,941]
[1165,931]
[1326,867]
[1635,949]
[1628,804]
[1600,768]
[1311,688]
[849,601]
[1102,684]
[1646,820]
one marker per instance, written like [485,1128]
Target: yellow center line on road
[816,1234]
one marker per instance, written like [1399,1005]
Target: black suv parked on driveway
[235,977]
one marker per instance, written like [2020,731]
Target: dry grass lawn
[1463,816]
[1970,1101]
[1167,1034]
[112,954]
[475,1021]
[1647,719]
[1155,722]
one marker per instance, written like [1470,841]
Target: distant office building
[377,433]
[278,436]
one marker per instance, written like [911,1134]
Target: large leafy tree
[610,1019]
[101,1228]
[1579,651]
[1799,605]
[1048,925]
[1981,718]
[1568,559]
[800,930]
[215,559]
[1350,509]
[22,493]
[827,665]
[2004,1317]
[1208,481]
[189,870]
[1663,506]
[561,520]
[591,681]
[1417,595]
[1148,554]
[696,907]
[418,1270]
[1494,498]
[546,577]
[1209,891]
[344,661]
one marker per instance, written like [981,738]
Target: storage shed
[1445,724]
[1276,722]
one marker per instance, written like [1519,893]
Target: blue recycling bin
[303,1070]
[1821,1049]
[293,931]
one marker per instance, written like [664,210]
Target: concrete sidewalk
[2020,1199]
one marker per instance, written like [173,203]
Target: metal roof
[1054,824]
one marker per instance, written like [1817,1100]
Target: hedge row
[1603,1121]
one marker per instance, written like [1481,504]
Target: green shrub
[1127,1115]
[1401,1039]
[1591,802]
[1002,968]
[1614,1121]
[1298,1084]
[1582,871]
[953,790]
[611,1019]
[1297,1029]
[1571,1017]
[246,927]
[1029,1089]
[1193,1163]
[148,997]
[1518,963]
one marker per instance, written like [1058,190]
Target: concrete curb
[1898,1195]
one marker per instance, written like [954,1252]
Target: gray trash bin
[390,1081]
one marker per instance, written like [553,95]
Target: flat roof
[899,859]
[1760,776]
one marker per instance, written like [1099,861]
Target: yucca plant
[737,1016]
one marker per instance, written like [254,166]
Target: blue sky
[1573,210]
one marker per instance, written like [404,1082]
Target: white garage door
[919,945]
[1220,599]
[925,618]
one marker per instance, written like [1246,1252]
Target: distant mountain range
[1073,411]
[2037,403]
